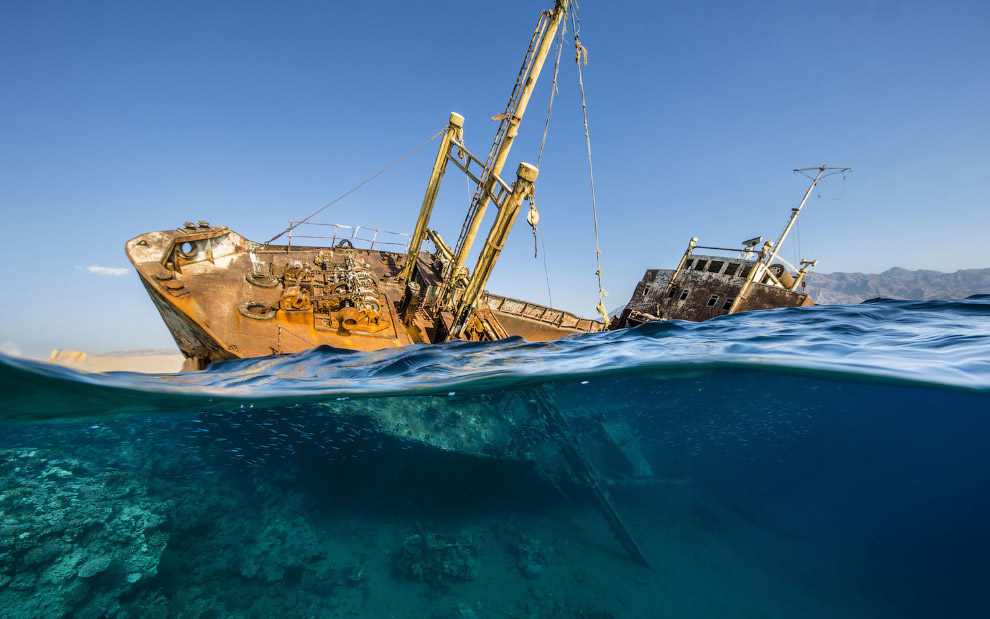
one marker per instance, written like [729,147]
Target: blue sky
[123,117]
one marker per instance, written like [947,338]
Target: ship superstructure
[726,281]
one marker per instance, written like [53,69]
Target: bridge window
[715,266]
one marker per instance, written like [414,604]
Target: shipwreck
[705,285]
[223,296]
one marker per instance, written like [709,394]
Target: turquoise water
[815,462]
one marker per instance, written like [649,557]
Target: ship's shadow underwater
[831,496]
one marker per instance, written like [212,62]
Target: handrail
[355,235]
[738,249]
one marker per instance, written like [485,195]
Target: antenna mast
[796,211]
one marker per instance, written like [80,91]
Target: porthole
[187,250]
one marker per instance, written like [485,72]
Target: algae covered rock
[94,566]
[531,556]
[435,558]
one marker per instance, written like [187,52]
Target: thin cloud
[97,269]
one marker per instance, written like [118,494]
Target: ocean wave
[937,343]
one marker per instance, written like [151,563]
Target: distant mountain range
[897,283]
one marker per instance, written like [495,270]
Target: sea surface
[831,461]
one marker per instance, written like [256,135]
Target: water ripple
[941,343]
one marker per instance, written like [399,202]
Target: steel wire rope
[539,158]
[825,186]
[355,188]
[579,51]
[818,192]
[821,191]
[281,329]
[841,171]
[797,242]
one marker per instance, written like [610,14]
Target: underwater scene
[829,461]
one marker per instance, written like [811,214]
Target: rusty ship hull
[706,287]
[225,297]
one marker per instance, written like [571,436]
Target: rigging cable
[841,194]
[353,189]
[797,242]
[546,273]
[579,52]
[534,212]
[505,123]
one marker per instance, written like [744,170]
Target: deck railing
[361,237]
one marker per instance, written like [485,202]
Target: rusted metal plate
[224,297]
[707,286]
[537,322]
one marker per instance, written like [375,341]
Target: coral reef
[438,559]
[82,536]
[206,517]
[531,556]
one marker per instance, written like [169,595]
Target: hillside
[897,283]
